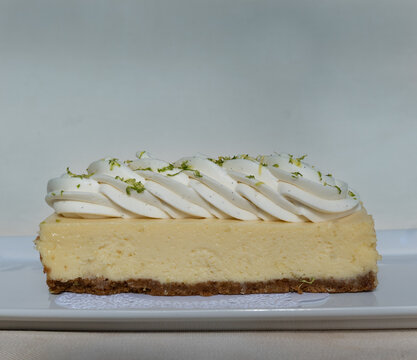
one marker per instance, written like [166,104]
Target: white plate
[26,304]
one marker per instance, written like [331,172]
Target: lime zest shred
[113,162]
[296,174]
[145,169]
[260,158]
[339,190]
[133,185]
[197,173]
[308,281]
[166,168]
[186,167]
[296,161]
[250,176]
[221,159]
[81,176]
[246,157]
[141,154]
[299,159]
[303,281]
[259,183]
[320,176]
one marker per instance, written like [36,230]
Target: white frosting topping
[273,187]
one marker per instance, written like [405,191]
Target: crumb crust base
[102,286]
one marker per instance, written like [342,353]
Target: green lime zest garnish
[133,185]
[335,186]
[145,169]
[113,162]
[260,158]
[303,281]
[308,281]
[296,161]
[221,159]
[141,154]
[197,173]
[166,168]
[82,176]
[186,167]
[320,176]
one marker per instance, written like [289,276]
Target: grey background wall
[80,80]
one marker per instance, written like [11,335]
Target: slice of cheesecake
[208,256]
[202,226]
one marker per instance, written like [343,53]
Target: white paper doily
[142,301]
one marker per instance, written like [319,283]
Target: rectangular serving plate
[25,302]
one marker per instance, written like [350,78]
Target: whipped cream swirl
[271,187]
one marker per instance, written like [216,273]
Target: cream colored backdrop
[80,80]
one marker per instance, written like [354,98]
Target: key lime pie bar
[201,226]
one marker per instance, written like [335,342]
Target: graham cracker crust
[101,286]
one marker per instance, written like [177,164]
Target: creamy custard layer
[198,250]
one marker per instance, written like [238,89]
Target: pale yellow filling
[196,250]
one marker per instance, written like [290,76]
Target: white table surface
[356,345]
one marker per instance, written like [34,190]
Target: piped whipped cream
[270,187]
